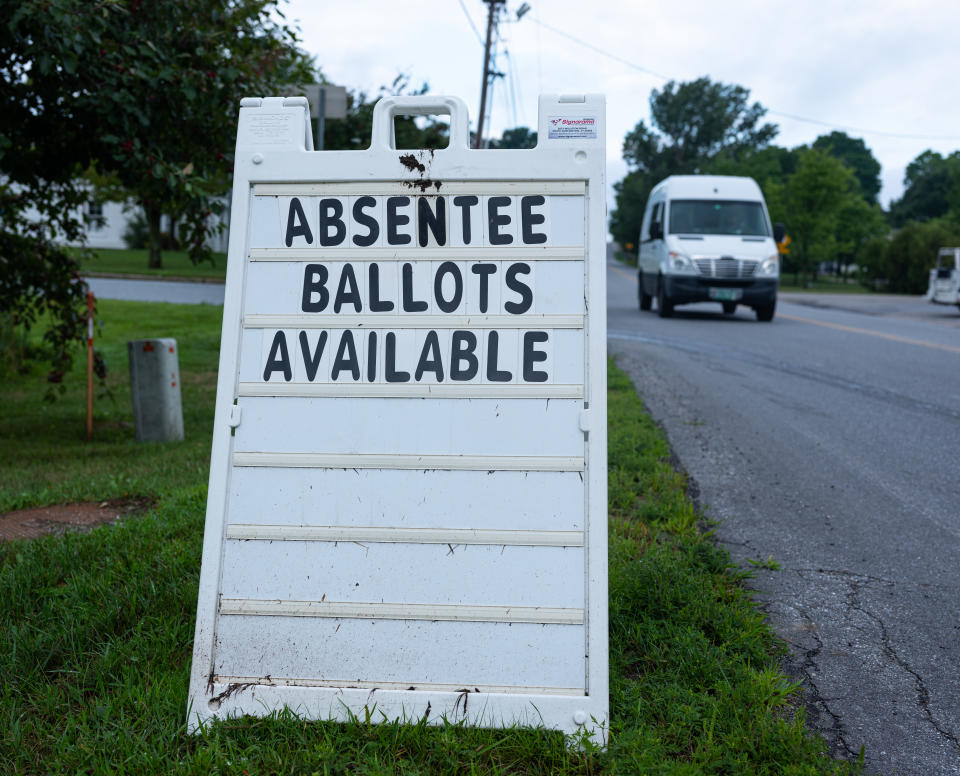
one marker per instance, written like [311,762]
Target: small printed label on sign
[572,127]
[271,129]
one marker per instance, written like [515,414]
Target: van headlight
[681,263]
[770,266]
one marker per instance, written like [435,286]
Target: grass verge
[98,628]
[113,261]
[823,285]
[44,458]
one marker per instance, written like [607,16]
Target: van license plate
[726,294]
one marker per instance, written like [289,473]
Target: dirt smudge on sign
[411,163]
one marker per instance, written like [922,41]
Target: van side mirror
[779,232]
[656,231]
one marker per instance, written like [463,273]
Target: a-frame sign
[408,496]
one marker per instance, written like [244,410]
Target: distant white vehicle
[945,278]
[708,238]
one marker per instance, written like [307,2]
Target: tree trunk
[155,260]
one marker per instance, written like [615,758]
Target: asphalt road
[177,292]
[828,439]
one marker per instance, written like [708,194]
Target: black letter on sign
[312,363]
[495,375]
[372,357]
[279,358]
[436,221]
[454,303]
[463,347]
[297,223]
[531,356]
[465,203]
[484,271]
[345,360]
[395,219]
[343,295]
[373,228]
[377,305]
[495,220]
[526,295]
[390,361]
[410,305]
[331,214]
[528,219]
[430,358]
[314,282]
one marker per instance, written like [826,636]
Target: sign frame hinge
[586,419]
[233,420]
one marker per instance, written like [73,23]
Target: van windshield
[717,216]
[947,260]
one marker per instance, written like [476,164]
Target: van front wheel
[644,299]
[664,304]
[765,311]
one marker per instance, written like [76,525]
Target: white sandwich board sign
[407,507]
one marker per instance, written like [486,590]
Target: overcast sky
[884,70]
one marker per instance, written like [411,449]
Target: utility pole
[491,23]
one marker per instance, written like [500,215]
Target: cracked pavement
[833,451]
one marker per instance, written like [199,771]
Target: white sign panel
[407,502]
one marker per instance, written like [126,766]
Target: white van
[944,285]
[708,238]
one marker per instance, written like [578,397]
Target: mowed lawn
[97,628]
[176,264]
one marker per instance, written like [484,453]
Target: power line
[607,54]
[791,116]
[472,25]
[861,130]
[511,84]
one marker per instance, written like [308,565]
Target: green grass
[175,264]
[44,458]
[98,628]
[822,285]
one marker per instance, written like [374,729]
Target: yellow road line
[627,275]
[869,332]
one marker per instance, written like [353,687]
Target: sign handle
[419,105]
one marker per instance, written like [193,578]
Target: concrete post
[155,388]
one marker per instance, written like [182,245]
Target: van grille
[726,268]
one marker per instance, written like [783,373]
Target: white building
[107,223]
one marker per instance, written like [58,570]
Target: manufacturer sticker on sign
[572,127]
[408,476]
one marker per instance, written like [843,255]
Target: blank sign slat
[481,322]
[295,681]
[515,188]
[543,463]
[542,615]
[326,533]
[525,253]
[416,390]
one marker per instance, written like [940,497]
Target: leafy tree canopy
[932,188]
[693,122]
[812,197]
[140,96]
[853,152]
[518,137]
[902,263]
